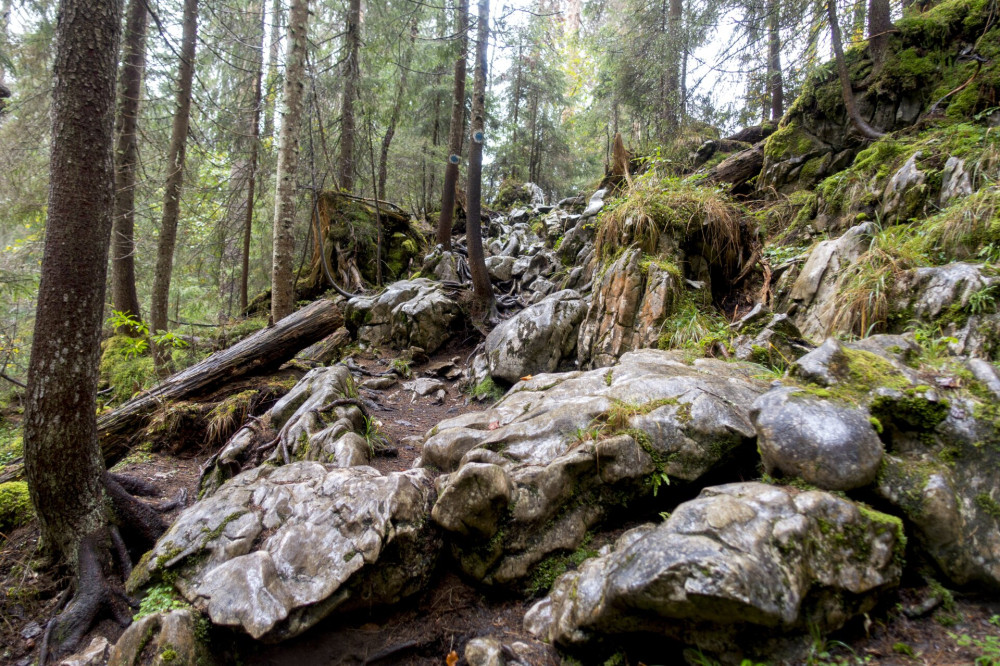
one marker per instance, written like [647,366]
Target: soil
[426,629]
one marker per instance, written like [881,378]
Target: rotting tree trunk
[352,74]
[123,294]
[455,131]
[739,168]
[481,285]
[282,269]
[62,460]
[397,106]
[776,94]
[175,181]
[254,140]
[860,123]
[263,351]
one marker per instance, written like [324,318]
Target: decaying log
[739,168]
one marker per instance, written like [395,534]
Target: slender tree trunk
[447,216]
[273,77]
[123,294]
[879,26]
[394,118]
[481,285]
[63,462]
[675,41]
[352,75]
[860,123]
[282,281]
[175,181]
[774,81]
[252,176]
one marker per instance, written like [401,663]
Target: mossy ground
[15,506]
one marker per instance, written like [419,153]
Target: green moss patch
[15,505]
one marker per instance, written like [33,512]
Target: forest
[546,332]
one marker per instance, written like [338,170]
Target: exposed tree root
[104,562]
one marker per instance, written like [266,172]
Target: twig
[12,380]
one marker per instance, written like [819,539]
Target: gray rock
[812,302]
[905,194]
[500,268]
[985,372]
[277,549]
[408,313]
[729,570]
[379,383]
[424,386]
[536,339]
[595,204]
[484,652]
[777,344]
[171,637]
[832,446]
[929,291]
[955,182]
[95,654]
[559,451]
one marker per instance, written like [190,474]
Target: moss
[487,388]
[168,655]
[15,505]
[911,411]
[545,573]
[788,141]
[988,505]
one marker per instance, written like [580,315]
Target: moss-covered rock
[15,506]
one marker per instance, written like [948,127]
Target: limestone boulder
[630,303]
[560,452]
[409,313]
[170,637]
[536,339]
[277,549]
[730,571]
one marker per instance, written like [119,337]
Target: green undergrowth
[487,389]
[548,570]
[11,443]
[15,506]
[126,367]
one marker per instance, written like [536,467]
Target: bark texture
[860,123]
[879,27]
[62,460]
[352,73]
[282,279]
[123,294]
[175,179]
[481,284]
[447,216]
[775,90]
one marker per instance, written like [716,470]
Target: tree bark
[860,123]
[123,294]
[352,74]
[675,46]
[273,77]
[252,175]
[397,105]
[879,26]
[62,460]
[175,181]
[481,285]
[447,217]
[282,279]
[774,81]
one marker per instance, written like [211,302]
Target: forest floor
[424,630]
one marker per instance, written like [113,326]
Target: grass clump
[227,416]
[15,505]
[126,366]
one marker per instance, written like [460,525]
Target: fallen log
[265,350]
[739,168]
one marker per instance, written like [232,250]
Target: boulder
[730,571]
[95,654]
[905,194]
[171,637]
[277,549]
[560,452]
[500,267]
[484,652]
[929,292]
[773,340]
[536,339]
[812,303]
[955,182]
[408,313]
[832,446]
[630,303]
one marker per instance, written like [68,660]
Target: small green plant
[988,647]
[487,389]
[351,388]
[373,434]
[160,599]
[401,367]
[983,301]
[659,478]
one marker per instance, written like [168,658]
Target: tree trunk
[860,123]
[265,350]
[273,77]
[774,81]
[254,139]
[123,294]
[675,43]
[175,180]
[62,460]
[352,74]
[394,118]
[282,279]
[447,217]
[481,285]
[879,26]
